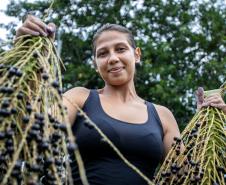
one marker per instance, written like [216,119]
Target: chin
[118,82]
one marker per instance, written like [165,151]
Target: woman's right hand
[36,27]
[214,100]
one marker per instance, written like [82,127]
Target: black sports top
[141,144]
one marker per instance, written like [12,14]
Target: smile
[116,69]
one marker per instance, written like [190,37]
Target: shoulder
[166,117]
[77,95]
[164,111]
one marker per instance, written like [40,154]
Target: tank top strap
[92,98]
[155,117]
[91,104]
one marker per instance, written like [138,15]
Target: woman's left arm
[170,128]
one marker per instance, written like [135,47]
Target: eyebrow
[119,43]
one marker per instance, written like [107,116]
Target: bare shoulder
[166,117]
[162,110]
[77,95]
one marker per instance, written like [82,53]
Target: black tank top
[141,144]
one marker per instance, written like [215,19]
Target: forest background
[183,44]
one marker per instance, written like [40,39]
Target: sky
[5,19]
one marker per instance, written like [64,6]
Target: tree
[183,44]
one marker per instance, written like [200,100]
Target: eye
[121,49]
[101,54]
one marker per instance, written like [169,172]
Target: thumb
[51,28]
[199,97]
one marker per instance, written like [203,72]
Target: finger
[26,31]
[205,105]
[199,97]
[51,28]
[38,22]
[200,91]
[210,102]
[32,26]
[220,106]
[216,99]
[213,95]
[211,99]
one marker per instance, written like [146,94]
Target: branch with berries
[35,134]
[203,159]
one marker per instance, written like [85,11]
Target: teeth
[115,69]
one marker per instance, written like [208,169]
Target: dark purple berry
[18,73]
[9,142]
[26,119]
[49,161]
[63,127]
[10,149]
[2,135]
[20,96]
[55,84]
[72,147]
[39,116]
[5,103]
[35,168]
[15,173]
[44,145]
[5,112]
[55,151]
[13,111]
[35,54]
[58,162]
[51,119]
[9,134]
[29,108]
[45,76]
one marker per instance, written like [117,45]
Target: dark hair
[113,27]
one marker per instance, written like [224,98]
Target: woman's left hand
[214,100]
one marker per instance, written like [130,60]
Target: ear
[137,55]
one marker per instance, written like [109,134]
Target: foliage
[182,42]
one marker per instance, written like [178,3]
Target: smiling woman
[142,131]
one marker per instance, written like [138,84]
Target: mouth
[116,69]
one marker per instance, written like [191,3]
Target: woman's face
[115,58]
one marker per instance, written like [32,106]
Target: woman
[142,131]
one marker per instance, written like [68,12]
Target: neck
[123,93]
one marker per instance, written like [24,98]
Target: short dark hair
[113,27]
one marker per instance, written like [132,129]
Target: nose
[113,58]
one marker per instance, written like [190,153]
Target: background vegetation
[183,44]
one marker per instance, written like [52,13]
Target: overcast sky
[4,19]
